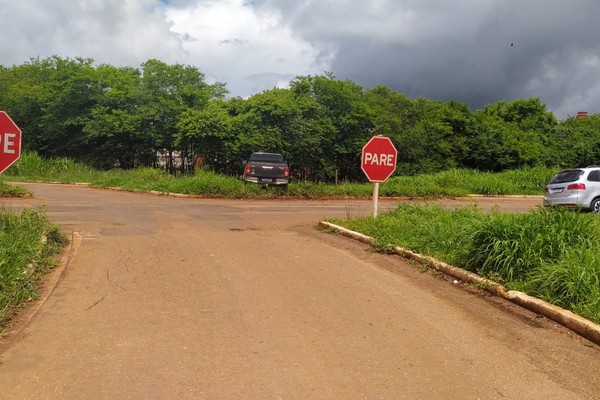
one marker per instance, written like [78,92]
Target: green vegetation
[203,183]
[106,126]
[462,182]
[123,117]
[553,254]
[455,182]
[31,167]
[28,243]
[7,190]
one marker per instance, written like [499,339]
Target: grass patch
[572,282]
[7,190]
[32,167]
[203,183]
[553,254]
[430,230]
[28,244]
[511,246]
[462,182]
[451,183]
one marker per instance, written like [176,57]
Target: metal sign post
[375,198]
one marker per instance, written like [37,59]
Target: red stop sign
[10,142]
[379,158]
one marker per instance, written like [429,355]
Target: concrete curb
[574,322]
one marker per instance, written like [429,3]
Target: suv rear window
[567,176]
[267,157]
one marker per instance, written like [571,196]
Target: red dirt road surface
[173,298]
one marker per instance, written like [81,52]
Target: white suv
[577,187]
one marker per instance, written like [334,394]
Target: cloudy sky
[475,51]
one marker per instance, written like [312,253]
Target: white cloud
[233,42]
[110,31]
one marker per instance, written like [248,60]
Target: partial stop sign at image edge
[10,142]
[378,159]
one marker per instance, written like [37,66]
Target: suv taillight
[576,186]
[247,169]
[286,171]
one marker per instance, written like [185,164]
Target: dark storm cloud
[474,51]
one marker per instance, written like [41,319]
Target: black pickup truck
[267,169]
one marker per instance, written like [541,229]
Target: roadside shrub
[7,190]
[510,246]
[28,243]
[431,230]
[32,167]
[572,282]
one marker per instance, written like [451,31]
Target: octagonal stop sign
[378,159]
[10,142]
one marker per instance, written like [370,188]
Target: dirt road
[170,298]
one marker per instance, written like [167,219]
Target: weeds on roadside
[7,190]
[28,243]
[455,182]
[572,282]
[511,245]
[430,230]
[32,167]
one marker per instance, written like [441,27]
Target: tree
[308,141]
[342,102]
[73,91]
[266,119]
[170,90]
[501,146]
[121,116]
[207,134]
[50,99]
[392,112]
[512,135]
[22,91]
[114,128]
[528,114]
[576,142]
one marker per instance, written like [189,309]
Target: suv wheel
[595,206]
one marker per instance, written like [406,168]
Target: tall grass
[7,190]
[461,182]
[32,167]
[448,183]
[28,242]
[550,253]
[454,183]
[572,281]
[431,230]
[511,245]
[202,183]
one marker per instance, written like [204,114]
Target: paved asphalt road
[173,298]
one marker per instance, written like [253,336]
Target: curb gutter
[568,319]
[50,283]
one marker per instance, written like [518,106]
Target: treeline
[108,116]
